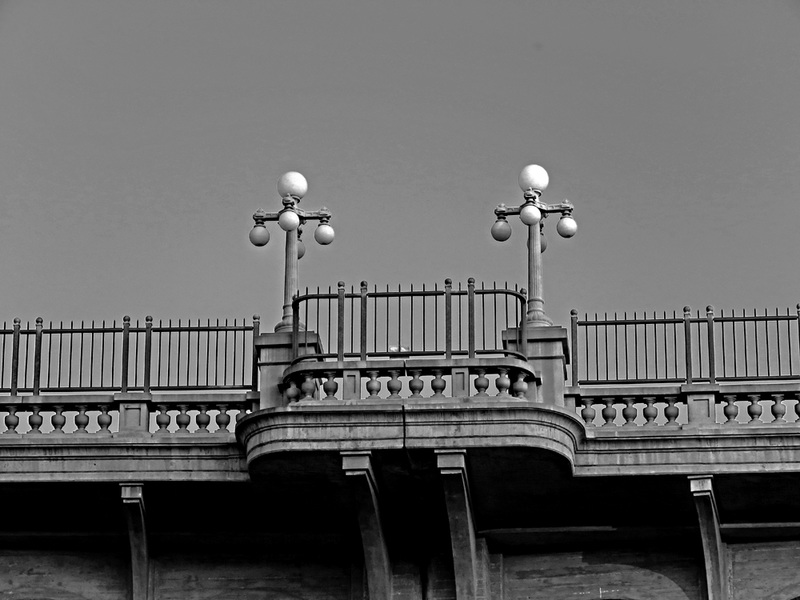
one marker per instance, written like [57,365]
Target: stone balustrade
[688,405]
[109,414]
[504,377]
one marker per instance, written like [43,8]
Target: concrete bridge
[403,444]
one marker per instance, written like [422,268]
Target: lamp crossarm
[565,208]
[323,214]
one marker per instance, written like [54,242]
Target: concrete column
[453,472]
[357,467]
[133,505]
[548,354]
[713,548]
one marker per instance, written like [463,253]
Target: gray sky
[138,137]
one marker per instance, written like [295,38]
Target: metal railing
[128,357]
[685,349]
[440,322]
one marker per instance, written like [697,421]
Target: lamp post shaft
[290,281]
[536,316]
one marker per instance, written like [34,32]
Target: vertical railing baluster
[616,346]
[296,329]
[70,338]
[363,322]
[755,338]
[102,355]
[778,340]
[448,318]
[254,365]
[523,327]
[605,343]
[126,330]
[399,318]
[712,354]
[386,331]
[687,341]
[37,357]
[797,320]
[225,357]
[340,322]
[626,336]
[328,344]
[179,345]
[425,314]
[49,351]
[411,319]
[148,352]
[573,322]
[80,357]
[15,357]
[471,316]
[436,317]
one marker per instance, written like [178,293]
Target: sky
[138,137]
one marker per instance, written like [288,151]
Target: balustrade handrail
[358,312]
[128,357]
[663,349]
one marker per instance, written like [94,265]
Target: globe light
[533,177]
[301,249]
[289,220]
[530,214]
[501,230]
[259,235]
[324,234]
[292,184]
[566,227]
[542,242]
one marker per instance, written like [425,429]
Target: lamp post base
[537,318]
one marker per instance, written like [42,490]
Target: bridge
[404,443]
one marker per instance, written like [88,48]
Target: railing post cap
[148,319]
[687,310]
[471,281]
[256,317]
[39,320]
[341,285]
[574,312]
[17,320]
[710,309]
[448,281]
[126,319]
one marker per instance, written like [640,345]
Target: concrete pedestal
[548,353]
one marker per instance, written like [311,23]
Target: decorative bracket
[133,505]
[453,470]
[357,467]
[713,549]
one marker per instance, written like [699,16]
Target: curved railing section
[446,322]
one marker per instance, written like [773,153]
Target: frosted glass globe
[566,227]
[324,234]
[259,235]
[292,184]
[530,214]
[501,230]
[301,249]
[288,220]
[533,177]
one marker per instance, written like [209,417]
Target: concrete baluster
[731,411]
[588,413]
[416,384]
[520,387]
[81,419]
[104,419]
[481,383]
[502,383]
[373,385]
[11,420]
[394,385]
[629,412]
[308,387]
[754,410]
[650,412]
[438,384]
[292,393]
[35,420]
[330,387]
[58,420]
[203,419]
[778,409]
[183,419]
[162,419]
[609,412]
[671,412]
[223,418]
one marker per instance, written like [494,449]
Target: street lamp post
[534,180]
[292,186]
